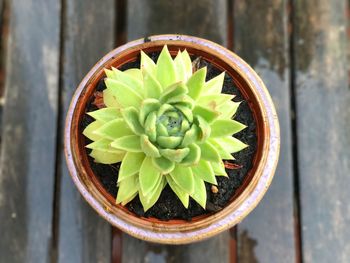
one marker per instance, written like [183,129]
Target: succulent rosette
[166,125]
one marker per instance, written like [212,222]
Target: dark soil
[169,206]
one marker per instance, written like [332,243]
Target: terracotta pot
[177,231]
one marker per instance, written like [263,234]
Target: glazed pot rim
[216,223]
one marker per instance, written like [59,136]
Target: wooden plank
[27,164]
[200,18]
[203,18]
[323,128]
[88,34]
[261,38]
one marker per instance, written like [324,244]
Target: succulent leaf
[130,143]
[152,87]
[124,95]
[164,165]
[131,117]
[130,165]
[147,64]
[166,72]
[166,125]
[199,193]
[181,194]
[151,198]
[209,152]
[90,130]
[106,157]
[149,176]
[196,83]
[105,114]
[113,130]
[221,128]
[219,168]
[214,86]
[127,188]
[204,171]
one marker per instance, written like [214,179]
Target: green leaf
[136,74]
[127,188]
[114,129]
[219,168]
[148,147]
[183,177]
[149,176]
[127,200]
[228,109]
[224,154]
[103,145]
[190,136]
[105,114]
[164,165]
[175,155]
[124,95]
[183,100]
[204,171]
[106,157]
[200,192]
[193,156]
[231,144]
[131,117]
[109,73]
[209,152]
[166,72]
[169,142]
[186,111]
[220,128]
[214,86]
[148,106]
[177,89]
[161,130]
[150,126]
[196,83]
[180,67]
[151,198]
[188,63]
[90,130]
[148,64]
[130,143]
[213,101]
[204,129]
[129,80]
[181,194]
[164,108]
[109,100]
[152,87]
[207,114]
[130,165]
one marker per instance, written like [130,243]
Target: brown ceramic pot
[177,231]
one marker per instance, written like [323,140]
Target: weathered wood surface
[27,165]
[323,128]
[203,18]
[88,34]
[208,20]
[261,38]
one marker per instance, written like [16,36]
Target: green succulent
[166,125]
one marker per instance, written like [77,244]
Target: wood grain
[27,165]
[203,18]
[88,34]
[199,18]
[323,128]
[261,39]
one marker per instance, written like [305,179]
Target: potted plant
[172,138]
